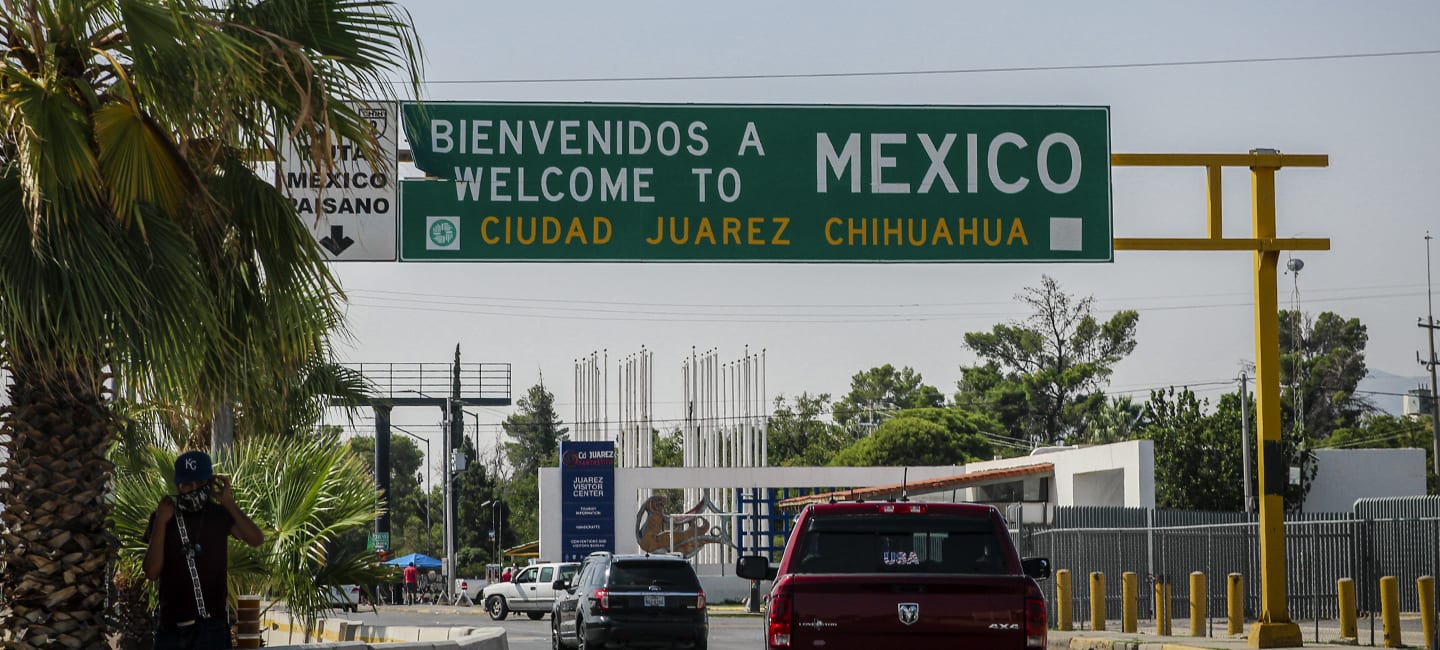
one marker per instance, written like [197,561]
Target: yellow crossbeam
[1257,159]
[1215,244]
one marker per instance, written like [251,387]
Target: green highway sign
[756,183]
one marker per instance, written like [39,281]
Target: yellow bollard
[1235,604]
[1162,607]
[1426,586]
[1130,601]
[1064,601]
[1199,599]
[1390,610]
[1169,611]
[1097,601]
[1345,588]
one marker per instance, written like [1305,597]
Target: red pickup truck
[901,575]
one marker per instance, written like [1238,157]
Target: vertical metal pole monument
[1274,628]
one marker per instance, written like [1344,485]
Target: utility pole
[1245,437]
[1432,362]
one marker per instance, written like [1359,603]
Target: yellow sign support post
[1274,628]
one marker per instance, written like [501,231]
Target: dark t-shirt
[210,529]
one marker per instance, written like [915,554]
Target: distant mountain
[1386,391]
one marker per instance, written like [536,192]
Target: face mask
[194,500]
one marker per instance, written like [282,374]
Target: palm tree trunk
[55,541]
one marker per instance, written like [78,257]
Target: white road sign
[353,209]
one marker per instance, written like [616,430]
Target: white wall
[629,482]
[1135,460]
[1131,483]
[1344,475]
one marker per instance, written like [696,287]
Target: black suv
[630,600]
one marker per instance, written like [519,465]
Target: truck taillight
[1035,623]
[700,600]
[778,634]
[602,598]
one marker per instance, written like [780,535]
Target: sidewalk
[1088,640]
[716,609]
[1328,635]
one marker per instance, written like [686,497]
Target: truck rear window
[876,543]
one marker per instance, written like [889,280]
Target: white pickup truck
[528,591]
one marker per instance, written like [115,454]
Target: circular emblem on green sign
[442,232]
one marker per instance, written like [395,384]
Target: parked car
[530,591]
[631,600]
[887,574]
[345,597]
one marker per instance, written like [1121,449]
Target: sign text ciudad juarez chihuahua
[760,183]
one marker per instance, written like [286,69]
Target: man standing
[412,584]
[188,555]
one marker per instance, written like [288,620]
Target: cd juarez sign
[720,183]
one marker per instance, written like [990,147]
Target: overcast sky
[1373,115]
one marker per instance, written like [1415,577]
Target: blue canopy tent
[421,560]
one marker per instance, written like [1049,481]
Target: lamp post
[429,530]
[496,529]
[449,560]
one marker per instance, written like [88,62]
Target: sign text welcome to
[647,182]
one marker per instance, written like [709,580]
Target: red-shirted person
[412,584]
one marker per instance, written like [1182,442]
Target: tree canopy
[800,436]
[926,436]
[1042,377]
[879,392]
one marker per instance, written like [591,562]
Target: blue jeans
[209,634]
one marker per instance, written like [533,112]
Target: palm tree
[139,247]
[302,491]
[1116,421]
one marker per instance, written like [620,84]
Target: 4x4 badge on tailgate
[909,613]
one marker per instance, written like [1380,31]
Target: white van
[530,590]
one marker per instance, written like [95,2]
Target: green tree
[1115,421]
[476,513]
[304,493]
[926,436]
[134,235]
[1324,361]
[1042,377]
[798,435]
[1197,461]
[537,431]
[407,493]
[878,393]
[667,450]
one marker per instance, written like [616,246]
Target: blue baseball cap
[193,466]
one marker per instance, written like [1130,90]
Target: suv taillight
[778,634]
[700,600]
[1035,623]
[602,599]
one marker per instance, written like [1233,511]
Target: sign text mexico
[711,183]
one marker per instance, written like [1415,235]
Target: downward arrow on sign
[337,242]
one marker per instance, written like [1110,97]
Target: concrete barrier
[281,631]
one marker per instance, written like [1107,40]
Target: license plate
[654,601]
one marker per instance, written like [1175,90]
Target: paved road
[726,632]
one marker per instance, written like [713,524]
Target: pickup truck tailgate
[922,611]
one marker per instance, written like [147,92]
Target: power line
[600,314]
[450,298]
[940,71]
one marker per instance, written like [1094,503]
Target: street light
[429,530]
[496,527]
